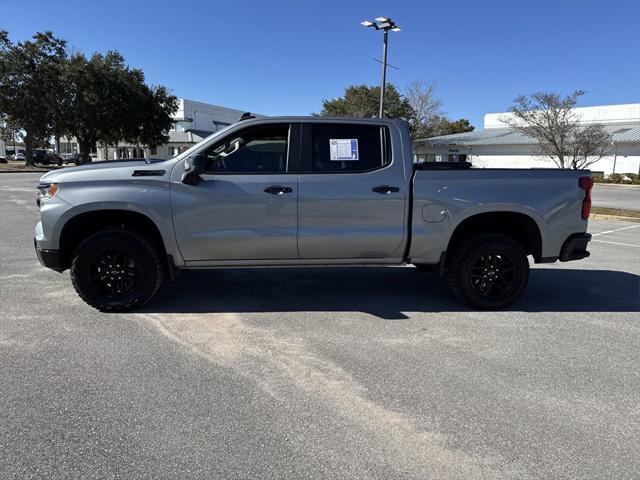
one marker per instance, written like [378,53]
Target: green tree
[419,107]
[31,85]
[441,125]
[363,101]
[110,102]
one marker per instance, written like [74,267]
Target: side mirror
[193,167]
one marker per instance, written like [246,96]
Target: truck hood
[109,170]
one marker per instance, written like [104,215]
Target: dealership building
[499,146]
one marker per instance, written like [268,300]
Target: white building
[193,122]
[498,146]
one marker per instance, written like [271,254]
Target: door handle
[385,189]
[278,190]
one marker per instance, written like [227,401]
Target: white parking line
[617,243]
[616,230]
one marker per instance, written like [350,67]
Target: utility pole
[385,24]
[383,84]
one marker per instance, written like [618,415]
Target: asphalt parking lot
[320,372]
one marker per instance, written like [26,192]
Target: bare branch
[550,118]
[422,98]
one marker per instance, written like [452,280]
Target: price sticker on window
[343,149]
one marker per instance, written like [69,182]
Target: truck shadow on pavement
[385,292]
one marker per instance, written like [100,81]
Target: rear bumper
[49,258]
[575,247]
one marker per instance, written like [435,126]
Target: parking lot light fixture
[385,24]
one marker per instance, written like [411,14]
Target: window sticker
[343,149]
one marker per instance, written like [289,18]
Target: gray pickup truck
[306,191]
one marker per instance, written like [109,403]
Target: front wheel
[488,271]
[116,270]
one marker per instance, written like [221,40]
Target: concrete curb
[623,185]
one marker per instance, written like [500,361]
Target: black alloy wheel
[492,275]
[113,272]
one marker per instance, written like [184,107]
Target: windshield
[192,149]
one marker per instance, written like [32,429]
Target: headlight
[47,190]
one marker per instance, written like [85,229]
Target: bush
[618,178]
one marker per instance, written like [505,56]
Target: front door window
[258,150]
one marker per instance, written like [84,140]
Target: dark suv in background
[46,157]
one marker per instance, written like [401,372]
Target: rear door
[352,193]
[245,206]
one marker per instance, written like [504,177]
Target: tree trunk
[28,150]
[85,150]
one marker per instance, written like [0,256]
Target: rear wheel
[115,270]
[488,271]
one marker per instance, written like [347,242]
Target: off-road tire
[143,261]
[466,278]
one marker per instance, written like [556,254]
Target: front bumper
[575,247]
[49,258]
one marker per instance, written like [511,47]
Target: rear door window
[345,148]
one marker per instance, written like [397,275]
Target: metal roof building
[500,146]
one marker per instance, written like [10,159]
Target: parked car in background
[307,191]
[19,156]
[71,158]
[40,156]
[46,157]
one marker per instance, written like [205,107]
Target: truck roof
[314,118]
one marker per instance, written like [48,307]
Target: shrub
[618,178]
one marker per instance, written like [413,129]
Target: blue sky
[284,57]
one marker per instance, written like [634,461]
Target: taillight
[586,184]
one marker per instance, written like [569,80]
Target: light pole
[385,24]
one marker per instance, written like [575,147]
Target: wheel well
[518,226]
[83,225]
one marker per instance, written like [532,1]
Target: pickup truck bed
[551,198]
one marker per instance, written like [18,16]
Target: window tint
[347,148]
[260,149]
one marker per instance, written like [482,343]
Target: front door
[353,195]
[245,206]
